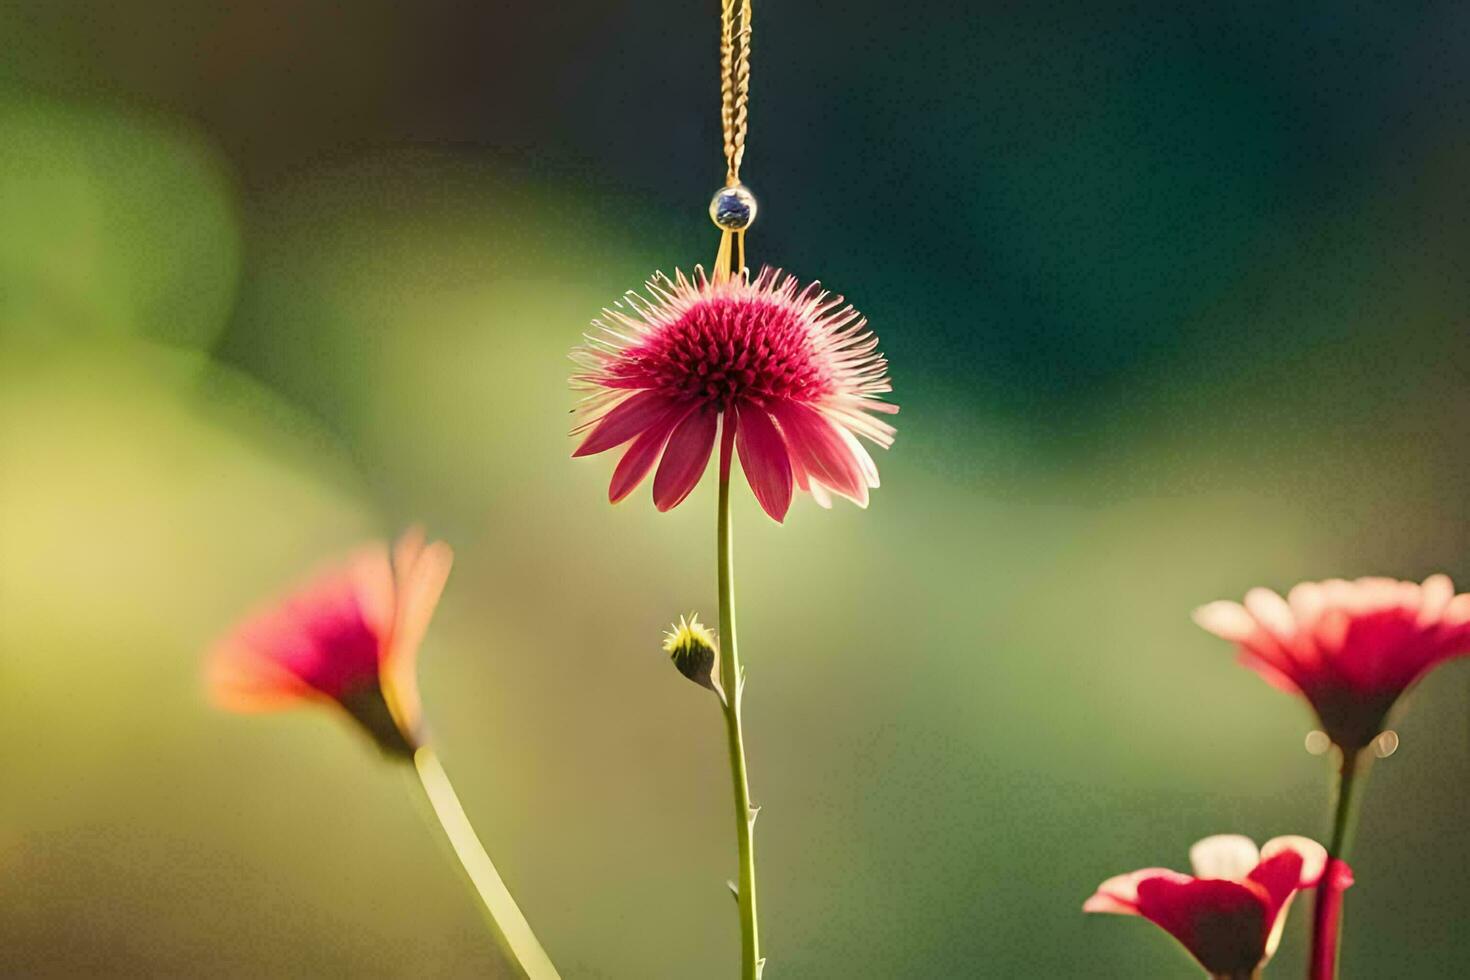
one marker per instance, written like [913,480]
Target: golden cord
[734,117]
[734,83]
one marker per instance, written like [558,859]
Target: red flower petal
[824,456]
[765,460]
[625,420]
[1119,894]
[641,456]
[1224,924]
[685,458]
[1289,864]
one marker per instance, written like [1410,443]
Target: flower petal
[421,572]
[1434,596]
[825,457]
[685,458]
[624,421]
[329,635]
[1119,894]
[238,678]
[860,455]
[1313,855]
[1227,620]
[1281,877]
[641,456]
[1224,924]
[1269,672]
[1228,856]
[765,460]
[1274,615]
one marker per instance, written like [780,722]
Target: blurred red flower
[349,636]
[1350,648]
[1230,913]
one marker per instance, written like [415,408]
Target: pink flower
[1349,648]
[349,637]
[1230,914]
[795,374]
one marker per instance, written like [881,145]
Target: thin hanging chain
[734,103]
[734,83]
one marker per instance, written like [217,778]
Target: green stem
[1327,911]
[732,680]
[510,927]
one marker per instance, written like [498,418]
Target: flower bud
[693,649]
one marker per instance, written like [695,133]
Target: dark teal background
[1175,299]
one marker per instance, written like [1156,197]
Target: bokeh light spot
[1318,743]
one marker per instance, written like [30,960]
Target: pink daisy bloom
[349,637]
[793,373]
[1349,648]
[1229,914]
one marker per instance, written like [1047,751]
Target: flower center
[727,349]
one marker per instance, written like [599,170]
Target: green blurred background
[1175,297]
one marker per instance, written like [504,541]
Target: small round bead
[733,208]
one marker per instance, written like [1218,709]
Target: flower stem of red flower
[1327,912]
[510,927]
[732,680]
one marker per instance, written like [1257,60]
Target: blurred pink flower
[349,636]
[796,373]
[1230,913]
[1349,648]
